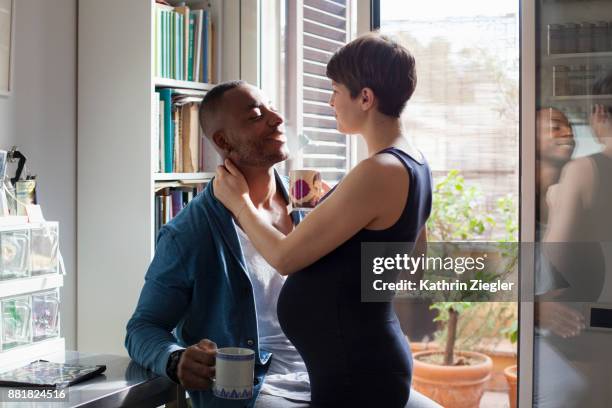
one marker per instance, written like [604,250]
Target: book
[197,45]
[157,40]
[205,28]
[155,153]
[191,144]
[190,46]
[213,67]
[209,48]
[166,42]
[166,95]
[162,135]
[177,166]
[179,45]
[43,373]
[185,22]
[163,13]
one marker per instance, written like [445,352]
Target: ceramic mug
[305,189]
[234,373]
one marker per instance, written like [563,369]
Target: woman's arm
[566,205]
[355,203]
[567,201]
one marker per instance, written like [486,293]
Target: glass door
[464,117]
[572,320]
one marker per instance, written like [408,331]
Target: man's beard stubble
[255,155]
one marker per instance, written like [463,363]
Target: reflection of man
[555,145]
[207,287]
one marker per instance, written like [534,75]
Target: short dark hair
[377,62]
[211,103]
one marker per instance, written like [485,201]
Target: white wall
[40,117]
[7,122]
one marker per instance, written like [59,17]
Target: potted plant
[453,378]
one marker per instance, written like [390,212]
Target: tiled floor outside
[492,399]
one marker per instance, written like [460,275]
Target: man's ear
[220,140]
[366,99]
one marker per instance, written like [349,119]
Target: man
[206,286]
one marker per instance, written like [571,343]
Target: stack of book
[171,198]
[183,43]
[177,137]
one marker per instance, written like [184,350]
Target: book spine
[162,40]
[205,47]
[156,132]
[190,45]
[201,150]
[180,137]
[166,44]
[194,137]
[177,202]
[166,95]
[180,40]
[156,47]
[157,215]
[168,205]
[209,48]
[176,134]
[197,58]
[171,39]
[186,138]
[162,135]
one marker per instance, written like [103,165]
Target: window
[313,30]
[464,112]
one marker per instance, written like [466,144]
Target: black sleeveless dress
[355,353]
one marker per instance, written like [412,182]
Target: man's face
[252,128]
[555,137]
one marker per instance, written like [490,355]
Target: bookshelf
[189,85]
[183,176]
[116,181]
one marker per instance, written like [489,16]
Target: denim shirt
[197,287]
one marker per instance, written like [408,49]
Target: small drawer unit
[45,315]
[30,282]
[15,254]
[16,322]
[44,248]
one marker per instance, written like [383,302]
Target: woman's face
[348,112]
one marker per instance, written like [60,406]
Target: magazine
[43,373]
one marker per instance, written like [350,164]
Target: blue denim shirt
[197,287]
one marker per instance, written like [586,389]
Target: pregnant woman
[355,352]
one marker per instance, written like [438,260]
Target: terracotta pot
[452,386]
[501,360]
[416,346]
[510,373]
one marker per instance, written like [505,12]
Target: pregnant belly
[335,332]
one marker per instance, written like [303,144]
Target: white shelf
[173,83]
[182,176]
[581,98]
[582,55]
[13,221]
[16,287]
[22,355]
